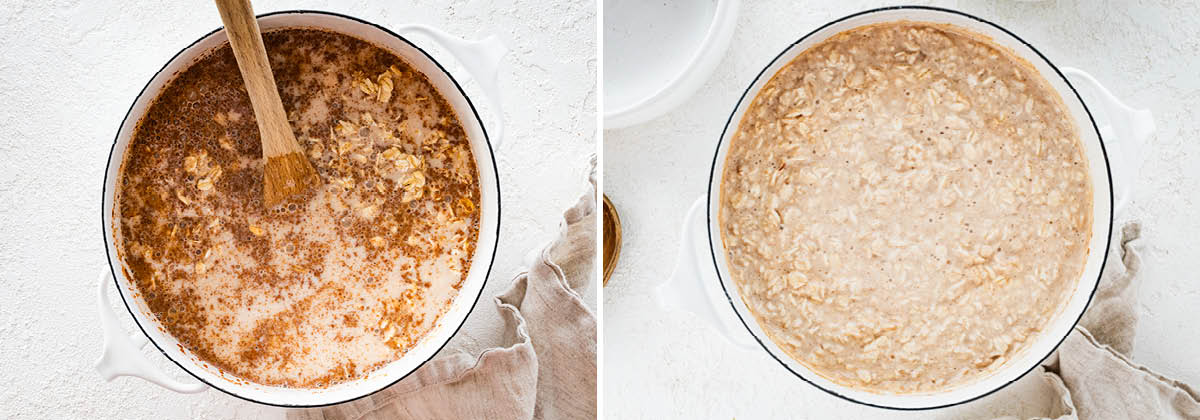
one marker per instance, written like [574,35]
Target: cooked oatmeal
[905,206]
[331,286]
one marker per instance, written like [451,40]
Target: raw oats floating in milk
[329,287]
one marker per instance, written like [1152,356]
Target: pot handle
[482,59]
[122,353]
[1125,132]
[692,286]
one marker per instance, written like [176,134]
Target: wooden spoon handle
[247,44]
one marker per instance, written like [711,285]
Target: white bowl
[657,54]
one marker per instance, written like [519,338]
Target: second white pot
[701,283]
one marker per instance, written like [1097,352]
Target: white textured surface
[70,69]
[666,365]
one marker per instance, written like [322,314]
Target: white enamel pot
[122,353]
[701,283]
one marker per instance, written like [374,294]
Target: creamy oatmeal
[330,286]
[905,206]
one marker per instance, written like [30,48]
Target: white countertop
[69,71]
[666,365]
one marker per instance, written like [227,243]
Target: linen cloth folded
[1091,374]
[546,371]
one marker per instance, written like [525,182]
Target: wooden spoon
[288,170]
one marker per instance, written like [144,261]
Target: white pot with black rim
[122,353]
[1113,136]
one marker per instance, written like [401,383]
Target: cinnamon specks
[295,295]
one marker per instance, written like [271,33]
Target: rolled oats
[326,288]
[905,206]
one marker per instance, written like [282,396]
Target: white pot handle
[1125,133]
[481,59]
[123,353]
[693,285]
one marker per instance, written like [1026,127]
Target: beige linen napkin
[548,369]
[1091,374]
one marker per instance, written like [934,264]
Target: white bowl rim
[166,64]
[718,155]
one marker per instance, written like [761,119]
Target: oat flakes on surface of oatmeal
[905,206]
